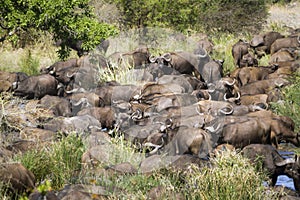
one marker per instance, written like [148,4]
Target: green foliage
[29,65]
[66,20]
[231,177]
[207,15]
[290,106]
[233,16]
[58,162]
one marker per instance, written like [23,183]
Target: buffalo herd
[181,104]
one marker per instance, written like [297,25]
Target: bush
[66,20]
[207,16]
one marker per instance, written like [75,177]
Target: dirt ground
[288,15]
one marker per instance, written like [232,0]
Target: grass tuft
[60,162]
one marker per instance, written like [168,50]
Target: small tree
[65,20]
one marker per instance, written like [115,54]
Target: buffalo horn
[70,76]
[209,97]
[233,98]
[167,57]
[298,38]
[278,84]
[230,84]
[152,59]
[212,129]
[204,55]
[227,113]
[211,87]
[285,162]
[156,147]
[198,111]
[15,85]
[82,100]
[72,91]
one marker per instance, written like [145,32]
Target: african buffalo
[193,141]
[59,66]
[79,124]
[36,86]
[262,43]
[287,42]
[281,56]
[134,59]
[8,78]
[243,131]
[183,62]
[212,71]
[257,99]
[248,60]
[105,115]
[58,105]
[214,107]
[239,49]
[263,86]
[273,162]
[251,74]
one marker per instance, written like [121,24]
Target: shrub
[208,15]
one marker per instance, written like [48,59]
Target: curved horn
[285,162]
[298,38]
[72,91]
[209,97]
[211,87]
[228,83]
[212,129]
[238,97]
[224,97]
[82,100]
[226,113]
[156,147]
[152,59]
[203,56]
[198,111]
[137,115]
[278,84]
[70,76]
[167,57]
[48,67]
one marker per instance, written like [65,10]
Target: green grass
[60,162]
[290,106]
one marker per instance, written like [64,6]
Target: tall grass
[231,177]
[59,162]
[290,106]
[29,65]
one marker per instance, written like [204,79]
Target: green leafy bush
[66,20]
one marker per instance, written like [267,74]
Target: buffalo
[287,42]
[239,49]
[36,86]
[273,162]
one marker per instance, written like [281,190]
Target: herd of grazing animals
[182,105]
